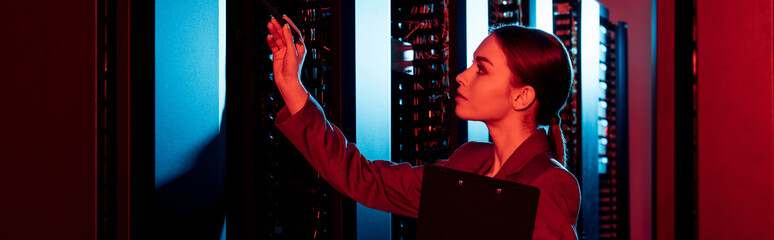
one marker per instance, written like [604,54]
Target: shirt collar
[535,144]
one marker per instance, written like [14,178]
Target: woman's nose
[459,78]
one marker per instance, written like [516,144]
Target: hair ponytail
[539,59]
[555,134]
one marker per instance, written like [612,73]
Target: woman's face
[485,88]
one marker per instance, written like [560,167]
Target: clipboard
[461,205]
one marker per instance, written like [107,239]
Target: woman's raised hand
[288,57]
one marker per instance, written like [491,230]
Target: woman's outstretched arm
[288,57]
[378,184]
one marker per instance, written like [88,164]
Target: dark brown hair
[540,60]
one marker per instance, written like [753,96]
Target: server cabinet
[614,153]
[595,119]
[421,86]
[273,192]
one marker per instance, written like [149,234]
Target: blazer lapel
[537,143]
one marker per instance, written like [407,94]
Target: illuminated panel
[222,79]
[603,101]
[221,61]
[590,116]
[590,90]
[372,100]
[477,17]
[188,84]
[190,98]
[544,15]
[610,188]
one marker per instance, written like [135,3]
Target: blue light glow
[590,76]
[221,59]
[477,18]
[408,55]
[222,77]
[372,101]
[190,94]
[544,12]
[188,83]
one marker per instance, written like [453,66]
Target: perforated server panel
[613,157]
[297,201]
[421,89]
[608,181]
[421,102]
[508,12]
[609,113]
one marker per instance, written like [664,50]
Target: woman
[519,81]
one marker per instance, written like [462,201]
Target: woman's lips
[459,95]
[459,98]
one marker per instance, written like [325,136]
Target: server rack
[508,12]
[420,95]
[422,102]
[607,177]
[299,202]
[609,218]
[613,157]
[421,87]
[273,191]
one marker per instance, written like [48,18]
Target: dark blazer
[395,188]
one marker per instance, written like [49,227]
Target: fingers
[275,24]
[280,40]
[288,41]
[301,49]
[276,32]
[272,44]
[287,19]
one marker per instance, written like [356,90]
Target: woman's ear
[523,97]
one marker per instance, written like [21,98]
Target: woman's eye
[480,69]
